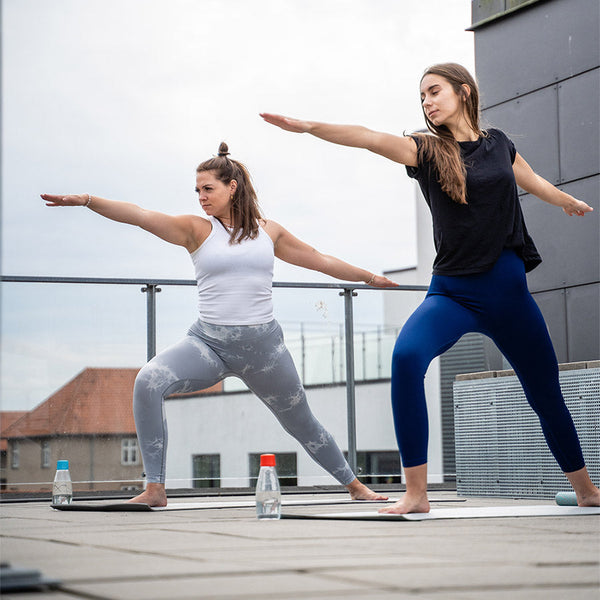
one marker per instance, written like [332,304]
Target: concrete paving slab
[69,563]
[473,576]
[568,592]
[271,585]
[182,554]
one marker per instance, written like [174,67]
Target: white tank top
[234,280]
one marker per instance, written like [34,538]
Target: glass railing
[64,338]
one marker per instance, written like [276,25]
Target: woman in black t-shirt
[469,178]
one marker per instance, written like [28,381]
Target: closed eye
[433,90]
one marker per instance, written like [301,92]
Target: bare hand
[383,282]
[577,207]
[286,123]
[68,200]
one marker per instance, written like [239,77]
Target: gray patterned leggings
[209,353]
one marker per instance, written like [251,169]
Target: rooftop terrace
[227,554]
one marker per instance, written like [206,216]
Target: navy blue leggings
[497,304]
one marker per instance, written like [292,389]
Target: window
[45,447]
[286,468]
[378,467]
[129,451]
[207,470]
[14,462]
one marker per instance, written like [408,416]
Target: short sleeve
[509,144]
[413,172]
[512,150]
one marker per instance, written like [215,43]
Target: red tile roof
[95,402]
[7,418]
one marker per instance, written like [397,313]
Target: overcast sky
[123,98]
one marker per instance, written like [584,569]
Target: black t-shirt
[469,238]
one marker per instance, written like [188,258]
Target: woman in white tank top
[233,253]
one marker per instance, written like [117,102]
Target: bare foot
[592,499]
[409,503]
[587,493]
[153,495]
[359,491]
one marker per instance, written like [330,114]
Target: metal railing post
[151,289]
[350,398]
[303,351]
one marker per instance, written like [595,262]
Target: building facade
[538,67]
[89,422]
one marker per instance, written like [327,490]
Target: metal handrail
[192,282]
[151,288]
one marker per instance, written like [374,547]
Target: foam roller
[566,499]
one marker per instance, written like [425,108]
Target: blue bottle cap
[62,465]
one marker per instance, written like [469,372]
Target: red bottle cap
[267,460]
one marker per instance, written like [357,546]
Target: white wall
[235,425]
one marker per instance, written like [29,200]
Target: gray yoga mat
[457,513]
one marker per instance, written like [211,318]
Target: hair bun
[223,149]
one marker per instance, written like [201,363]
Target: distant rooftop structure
[7,418]
[97,401]
[88,421]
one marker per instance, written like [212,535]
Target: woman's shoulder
[500,140]
[201,228]
[495,134]
[199,223]
[272,228]
[421,137]
[269,225]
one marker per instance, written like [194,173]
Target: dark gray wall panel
[583,323]
[538,69]
[531,124]
[568,245]
[579,125]
[484,9]
[552,305]
[536,47]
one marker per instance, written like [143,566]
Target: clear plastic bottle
[268,492]
[62,488]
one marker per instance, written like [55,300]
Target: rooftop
[7,418]
[227,554]
[96,401]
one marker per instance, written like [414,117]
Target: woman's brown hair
[244,210]
[441,148]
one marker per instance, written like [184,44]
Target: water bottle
[62,488]
[268,493]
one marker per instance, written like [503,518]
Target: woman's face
[214,195]
[441,104]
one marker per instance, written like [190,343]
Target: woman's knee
[153,377]
[407,359]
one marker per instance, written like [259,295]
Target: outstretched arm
[180,230]
[399,149]
[294,251]
[531,182]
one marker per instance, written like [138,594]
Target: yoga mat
[139,507]
[459,513]
[114,507]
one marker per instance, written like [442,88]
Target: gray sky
[123,98]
